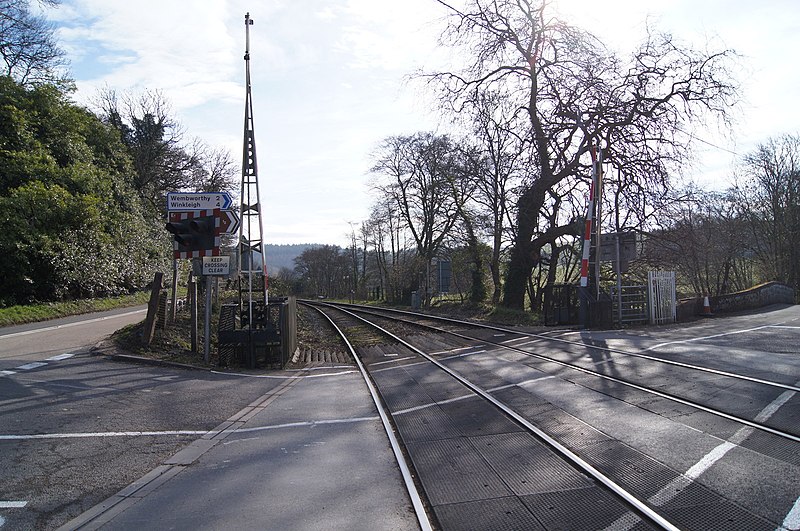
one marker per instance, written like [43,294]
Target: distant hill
[279,256]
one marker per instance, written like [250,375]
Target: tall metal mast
[252,262]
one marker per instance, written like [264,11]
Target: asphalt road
[76,428]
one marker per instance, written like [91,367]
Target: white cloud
[328,79]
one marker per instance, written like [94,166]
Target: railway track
[645,492]
[426,461]
[549,349]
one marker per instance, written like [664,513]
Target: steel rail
[408,480]
[751,379]
[662,394]
[640,507]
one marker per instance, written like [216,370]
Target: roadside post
[197,220]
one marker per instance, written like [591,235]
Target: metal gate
[661,286]
[629,304]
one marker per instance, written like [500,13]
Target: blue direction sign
[182,201]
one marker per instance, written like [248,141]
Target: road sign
[228,222]
[218,266]
[198,201]
[627,246]
[627,249]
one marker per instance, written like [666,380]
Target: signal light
[194,234]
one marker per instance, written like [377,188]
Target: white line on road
[12,504]
[275,377]
[87,435]
[706,337]
[61,357]
[677,485]
[29,366]
[68,325]
[392,361]
[792,520]
[37,364]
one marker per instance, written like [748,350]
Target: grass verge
[14,315]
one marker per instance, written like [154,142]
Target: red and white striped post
[587,235]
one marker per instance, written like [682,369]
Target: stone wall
[756,297]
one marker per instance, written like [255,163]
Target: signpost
[197,219]
[198,201]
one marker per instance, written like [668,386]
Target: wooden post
[152,309]
[174,292]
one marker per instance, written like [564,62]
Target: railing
[630,304]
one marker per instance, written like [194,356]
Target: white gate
[661,287]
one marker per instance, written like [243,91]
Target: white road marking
[709,459]
[666,494]
[276,377]
[463,355]
[432,404]
[29,366]
[440,352]
[69,325]
[792,520]
[706,337]
[88,435]
[12,504]
[61,357]
[521,338]
[306,423]
[535,380]
[770,410]
[391,361]
[37,364]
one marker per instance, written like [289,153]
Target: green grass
[487,312]
[14,315]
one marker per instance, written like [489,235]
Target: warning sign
[217,266]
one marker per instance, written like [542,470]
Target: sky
[330,81]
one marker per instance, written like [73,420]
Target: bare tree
[28,47]
[216,171]
[323,271]
[468,170]
[575,94]
[498,173]
[392,258]
[419,170]
[163,160]
[769,197]
[704,240]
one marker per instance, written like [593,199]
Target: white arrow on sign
[198,201]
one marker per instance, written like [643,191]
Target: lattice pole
[251,244]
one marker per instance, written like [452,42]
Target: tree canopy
[73,225]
